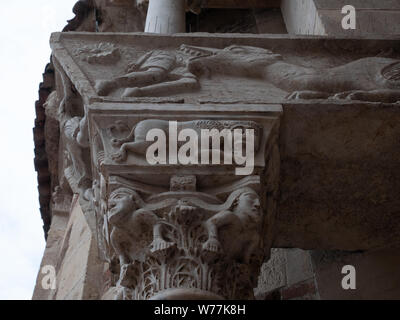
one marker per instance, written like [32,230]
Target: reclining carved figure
[369,79]
[136,140]
[156,73]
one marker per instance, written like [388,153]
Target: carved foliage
[101,53]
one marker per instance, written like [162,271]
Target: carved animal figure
[370,79]
[136,140]
[241,221]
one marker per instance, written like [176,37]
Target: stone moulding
[209,68]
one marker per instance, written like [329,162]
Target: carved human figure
[156,73]
[370,79]
[77,168]
[136,141]
[242,221]
[74,130]
[130,220]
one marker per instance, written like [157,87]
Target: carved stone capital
[176,230]
[186,241]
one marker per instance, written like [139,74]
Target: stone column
[166,16]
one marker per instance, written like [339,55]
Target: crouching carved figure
[182,245]
[131,224]
[242,219]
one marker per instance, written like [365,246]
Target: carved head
[251,54]
[235,59]
[247,201]
[71,128]
[121,202]
[51,105]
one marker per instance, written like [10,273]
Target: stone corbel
[173,231]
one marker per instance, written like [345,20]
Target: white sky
[25,28]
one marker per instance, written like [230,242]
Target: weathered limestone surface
[288,275]
[272,274]
[51,254]
[79,265]
[339,173]
[340,177]
[323,126]
[72,250]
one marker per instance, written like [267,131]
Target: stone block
[298,266]
[273,273]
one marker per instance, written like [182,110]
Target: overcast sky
[25,28]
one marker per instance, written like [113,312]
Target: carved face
[252,56]
[235,60]
[121,202]
[249,203]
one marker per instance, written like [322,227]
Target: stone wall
[295,274]
[288,275]
[71,249]
[377,274]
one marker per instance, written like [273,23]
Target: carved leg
[382,95]
[159,244]
[129,138]
[133,79]
[252,247]
[212,244]
[117,244]
[135,147]
[165,88]
[307,95]
[104,87]
[140,78]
